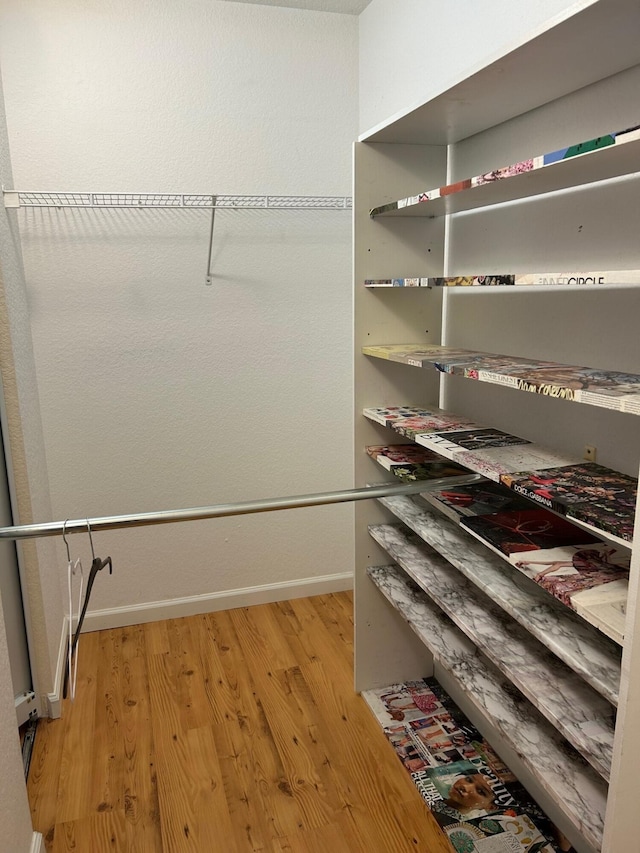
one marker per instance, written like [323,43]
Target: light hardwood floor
[232,732]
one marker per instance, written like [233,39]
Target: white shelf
[590,41]
[584,717]
[565,777]
[623,158]
[605,389]
[586,651]
[573,78]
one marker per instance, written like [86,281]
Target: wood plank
[248,749]
[44,776]
[140,790]
[291,723]
[213,831]
[102,831]
[108,756]
[78,755]
[191,692]
[176,790]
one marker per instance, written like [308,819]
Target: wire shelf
[15,198]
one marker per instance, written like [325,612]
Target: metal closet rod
[113,522]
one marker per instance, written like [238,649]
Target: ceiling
[347,7]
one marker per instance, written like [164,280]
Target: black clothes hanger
[97,565]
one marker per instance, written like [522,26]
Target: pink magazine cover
[400,455]
[412,427]
[570,569]
[403,702]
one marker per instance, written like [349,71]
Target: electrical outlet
[590,452]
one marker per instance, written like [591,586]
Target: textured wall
[157,391]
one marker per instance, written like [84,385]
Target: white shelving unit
[449,606]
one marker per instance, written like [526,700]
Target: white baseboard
[152,611]
[37,843]
[54,700]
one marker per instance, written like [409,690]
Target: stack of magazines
[472,794]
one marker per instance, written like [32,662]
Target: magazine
[418,355]
[571,277]
[497,461]
[592,580]
[473,795]
[510,832]
[405,462]
[583,384]
[560,488]
[483,498]
[388,415]
[455,445]
[540,278]
[570,569]
[513,170]
[475,363]
[462,790]
[410,700]
[615,517]
[525,530]
[398,282]
[395,455]
[427,424]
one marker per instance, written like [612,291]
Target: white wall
[24,447]
[411,50]
[156,391]
[16,832]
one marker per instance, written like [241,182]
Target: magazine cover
[417,355]
[429,471]
[401,352]
[615,517]
[560,488]
[430,742]
[401,455]
[525,530]
[409,462]
[483,363]
[403,702]
[568,570]
[497,461]
[388,415]
[434,422]
[571,277]
[412,754]
[509,832]
[474,789]
[462,791]
[483,498]
[397,282]
[565,381]
[455,445]
[493,280]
